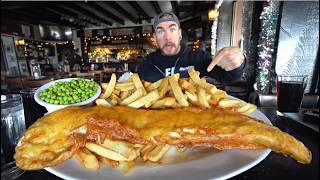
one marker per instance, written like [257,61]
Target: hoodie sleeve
[217,72]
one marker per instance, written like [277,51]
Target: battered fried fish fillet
[49,140]
[48,143]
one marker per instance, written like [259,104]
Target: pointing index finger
[215,60]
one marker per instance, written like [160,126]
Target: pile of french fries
[118,154]
[170,92]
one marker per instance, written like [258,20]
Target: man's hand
[227,58]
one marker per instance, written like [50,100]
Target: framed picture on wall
[10,54]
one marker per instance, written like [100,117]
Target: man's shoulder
[190,52]
[196,55]
[153,55]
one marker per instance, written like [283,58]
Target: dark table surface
[274,166]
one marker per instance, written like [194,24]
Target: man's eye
[160,32]
[173,29]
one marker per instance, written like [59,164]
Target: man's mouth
[169,46]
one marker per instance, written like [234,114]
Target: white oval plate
[198,163]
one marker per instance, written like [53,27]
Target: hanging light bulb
[213,14]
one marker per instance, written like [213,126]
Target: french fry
[124,94]
[192,86]
[192,97]
[184,83]
[121,147]
[125,166]
[136,95]
[116,92]
[115,97]
[219,94]
[113,102]
[227,103]
[194,75]
[87,159]
[104,85]
[146,83]
[176,76]
[165,102]
[250,110]
[181,98]
[108,162]
[125,86]
[120,153]
[137,145]
[154,85]
[158,152]
[145,100]
[137,82]
[202,97]
[110,87]
[145,150]
[103,102]
[247,108]
[105,152]
[210,88]
[164,87]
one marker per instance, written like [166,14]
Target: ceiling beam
[64,17]
[174,7]
[53,16]
[7,5]
[37,18]
[87,13]
[18,16]
[190,8]
[191,22]
[139,10]
[71,13]
[103,11]
[156,7]
[124,12]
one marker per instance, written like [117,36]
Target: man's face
[168,35]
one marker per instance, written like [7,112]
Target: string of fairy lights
[111,38]
[30,45]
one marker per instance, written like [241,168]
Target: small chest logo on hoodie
[170,71]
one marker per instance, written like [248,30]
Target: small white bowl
[54,107]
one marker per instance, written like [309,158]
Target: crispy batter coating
[49,141]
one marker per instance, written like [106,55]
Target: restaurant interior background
[43,41]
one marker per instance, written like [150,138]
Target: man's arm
[226,66]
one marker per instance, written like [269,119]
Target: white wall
[77,42]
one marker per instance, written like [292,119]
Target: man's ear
[180,34]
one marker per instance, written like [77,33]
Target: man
[225,66]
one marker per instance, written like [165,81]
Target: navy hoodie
[156,66]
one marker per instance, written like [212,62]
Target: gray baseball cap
[165,16]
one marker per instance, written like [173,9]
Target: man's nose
[167,36]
